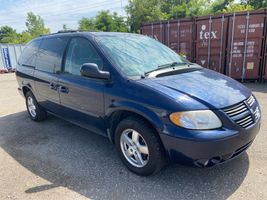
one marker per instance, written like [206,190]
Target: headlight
[199,119]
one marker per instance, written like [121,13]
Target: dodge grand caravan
[154,105]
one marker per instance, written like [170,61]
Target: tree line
[138,12]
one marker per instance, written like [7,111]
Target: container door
[246,34]
[210,42]
[155,31]
[264,71]
[179,37]
[264,51]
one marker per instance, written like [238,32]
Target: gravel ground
[57,160]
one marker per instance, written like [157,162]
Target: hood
[208,87]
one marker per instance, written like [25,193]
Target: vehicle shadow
[72,157]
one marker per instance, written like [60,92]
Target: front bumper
[209,147]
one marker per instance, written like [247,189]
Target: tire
[36,112]
[143,140]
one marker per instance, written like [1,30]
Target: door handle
[52,86]
[63,89]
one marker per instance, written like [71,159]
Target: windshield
[136,54]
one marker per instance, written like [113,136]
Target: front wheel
[139,147]
[36,112]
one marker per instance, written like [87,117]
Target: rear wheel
[36,112]
[139,147]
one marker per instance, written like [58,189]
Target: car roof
[81,33]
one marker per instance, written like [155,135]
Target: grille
[251,100]
[240,113]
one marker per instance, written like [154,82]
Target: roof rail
[67,31]
[61,31]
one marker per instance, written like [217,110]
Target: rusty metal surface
[180,37]
[154,30]
[245,41]
[211,42]
[264,52]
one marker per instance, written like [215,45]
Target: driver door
[82,98]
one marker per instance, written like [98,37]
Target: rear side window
[80,51]
[50,54]
[28,55]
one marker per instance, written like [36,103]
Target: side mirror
[91,70]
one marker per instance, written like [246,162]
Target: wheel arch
[26,88]
[119,112]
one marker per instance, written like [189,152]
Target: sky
[55,12]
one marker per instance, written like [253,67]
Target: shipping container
[264,64]
[180,37]
[264,70]
[154,30]
[245,42]
[9,56]
[234,43]
[210,37]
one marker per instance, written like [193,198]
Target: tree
[236,7]
[25,37]
[185,8]
[220,5]
[7,34]
[256,4]
[87,24]
[104,21]
[119,25]
[140,11]
[35,25]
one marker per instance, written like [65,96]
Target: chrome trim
[237,109]
[251,100]
[248,124]
[244,119]
[237,112]
[245,122]
[228,109]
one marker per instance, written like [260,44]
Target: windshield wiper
[171,65]
[165,66]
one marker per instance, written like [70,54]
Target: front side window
[136,54]
[80,51]
[50,54]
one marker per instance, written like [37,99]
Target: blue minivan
[154,105]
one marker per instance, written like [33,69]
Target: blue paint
[6,57]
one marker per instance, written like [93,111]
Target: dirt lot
[57,160]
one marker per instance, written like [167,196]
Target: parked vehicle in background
[233,43]
[153,104]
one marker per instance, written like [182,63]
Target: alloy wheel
[31,106]
[134,148]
